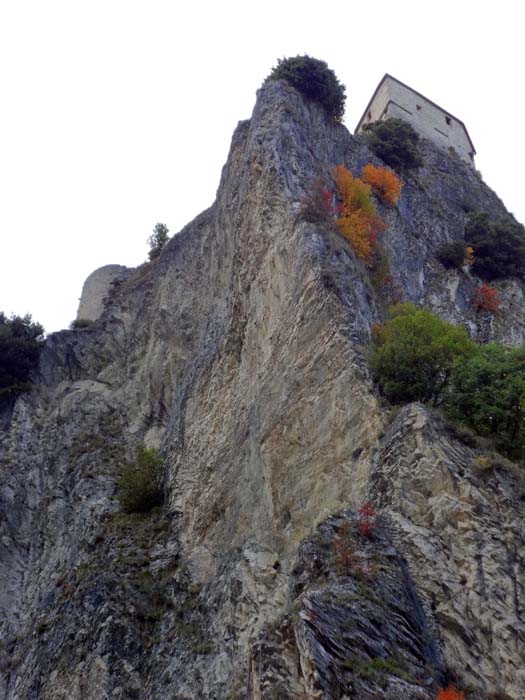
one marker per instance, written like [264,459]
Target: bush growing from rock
[395,142]
[487,394]
[313,79]
[80,323]
[413,354]
[452,255]
[367,520]
[141,483]
[416,356]
[21,340]
[384,181]
[499,247]
[487,299]
[157,241]
[317,206]
[450,693]
[358,219]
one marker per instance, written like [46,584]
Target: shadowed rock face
[240,355]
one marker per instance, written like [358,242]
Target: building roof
[391,77]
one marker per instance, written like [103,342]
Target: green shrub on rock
[79,323]
[416,356]
[158,241]
[141,483]
[499,247]
[413,354]
[451,255]
[395,142]
[313,79]
[21,340]
[487,394]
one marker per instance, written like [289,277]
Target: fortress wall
[96,288]
[394,100]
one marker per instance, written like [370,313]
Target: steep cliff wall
[240,355]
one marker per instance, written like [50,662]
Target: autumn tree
[358,220]
[384,181]
[487,299]
[450,693]
[317,206]
[367,520]
[344,549]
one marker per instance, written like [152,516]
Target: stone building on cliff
[393,99]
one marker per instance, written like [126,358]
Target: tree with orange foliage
[358,220]
[384,181]
[487,299]
[450,693]
[344,550]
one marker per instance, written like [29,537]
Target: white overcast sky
[118,114]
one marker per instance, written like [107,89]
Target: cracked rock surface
[240,354]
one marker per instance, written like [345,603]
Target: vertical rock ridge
[240,354]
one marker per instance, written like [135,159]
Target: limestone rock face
[240,354]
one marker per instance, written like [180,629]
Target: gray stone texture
[241,355]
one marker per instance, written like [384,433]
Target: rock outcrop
[240,354]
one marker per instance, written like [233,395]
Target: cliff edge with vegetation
[312,541]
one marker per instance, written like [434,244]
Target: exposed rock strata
[240,354]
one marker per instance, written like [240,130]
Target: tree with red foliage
[367,520]
[317,206]
[487,299]
[450,693]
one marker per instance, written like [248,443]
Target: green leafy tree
[395,142]
[499,247]
[157,241]
[21,340]
[313,79]
[141,483]
[413,354]
[487,393]
[452,255]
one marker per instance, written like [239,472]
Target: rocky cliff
[240,354]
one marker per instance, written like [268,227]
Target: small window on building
[471,157]
[369,115]
[418,107]
[448,120]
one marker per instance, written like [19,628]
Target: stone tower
[393,99]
